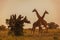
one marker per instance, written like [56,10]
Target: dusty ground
[53,34]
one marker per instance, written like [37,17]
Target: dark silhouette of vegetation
[2,28]
[16,24]
[52,25]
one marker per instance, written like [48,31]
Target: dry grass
[53,34]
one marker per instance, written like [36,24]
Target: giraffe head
[34,10]
[46,12]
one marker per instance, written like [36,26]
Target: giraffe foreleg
[46,28]
[33,30]
[40,29]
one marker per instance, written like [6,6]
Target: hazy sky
[25,7]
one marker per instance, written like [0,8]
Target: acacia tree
[52,25]
[16,24]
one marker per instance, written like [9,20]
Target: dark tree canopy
[52,25]
[16,24]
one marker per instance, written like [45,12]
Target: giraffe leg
[33,30]
[46,28]
[40,30]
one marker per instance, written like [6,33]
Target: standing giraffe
[40,21]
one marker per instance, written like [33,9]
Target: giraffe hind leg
[40,30]
[46,28]
[33,30]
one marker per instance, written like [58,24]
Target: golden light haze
[25,7]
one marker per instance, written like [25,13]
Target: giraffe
[40,21]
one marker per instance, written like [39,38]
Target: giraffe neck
[43,16]
[39,17]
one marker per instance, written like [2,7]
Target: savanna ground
[53,34]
